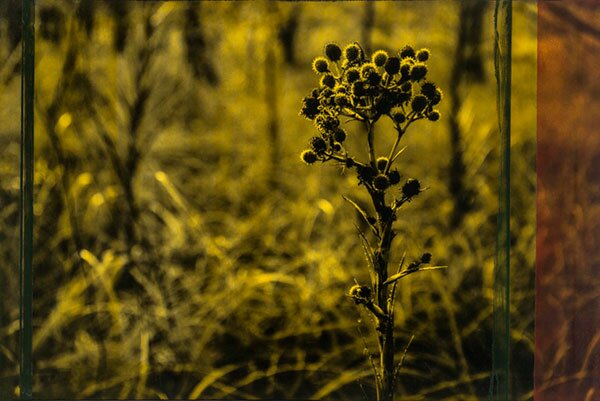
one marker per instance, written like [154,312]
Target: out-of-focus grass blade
[209,379]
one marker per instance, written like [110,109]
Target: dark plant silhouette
[364,89]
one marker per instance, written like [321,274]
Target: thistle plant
[363,89]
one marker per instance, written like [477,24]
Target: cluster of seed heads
[360,88]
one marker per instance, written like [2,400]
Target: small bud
[310,107]
[352,75]
[392,65]
[318,144]
[381,182]
[365,174]
[426,257]
[418,71]
[358,89]
[337,147]
[437,97]
[405,69]
[320,65]
[394,177]
[434,115]
[309,156]
[428,89]
[361,294]
[382,163]
[339,135]
[366,69]
[328,80]
[352,52]
[411,188]
[333,52]
[341,100]
[407,51]
[419,103]
[379,58]
[423,55]
[398,117]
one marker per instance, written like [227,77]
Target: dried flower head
[352,52]
[320,65]
[333,52]
[423,55]
[379,58]
[308,156]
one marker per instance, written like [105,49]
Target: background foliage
[182,248]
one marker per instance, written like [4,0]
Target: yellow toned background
[183,250]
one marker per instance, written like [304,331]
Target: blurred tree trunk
[468,65]
[120,16]
[271,76]
[11,11]
[196,46]
[367,25]
[287,35]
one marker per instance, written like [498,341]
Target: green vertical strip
[500,384]
[26,257]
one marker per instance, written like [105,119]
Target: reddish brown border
[567,333]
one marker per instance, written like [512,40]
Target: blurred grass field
[183,250]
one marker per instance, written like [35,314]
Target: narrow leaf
[405,273]
[368,253]
[364,215]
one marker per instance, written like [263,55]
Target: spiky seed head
[366,69]
[405,68]
[360,294]
[381,182]
[358,89]
[310,107]
[407,52]
[318,144]
[423,55]
[382,163]
[392,65]
[434,115]
[379,58]
[333,52]
[437,97]
[418,71]
[352,75]
[320,65]
[328,80]
[411,188]
[394,177]
[352,52]
[426,257]
[339,135]
[419,103]
[398,117]
[308,156]
[428,89]
[365,173]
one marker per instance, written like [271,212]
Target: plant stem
[386,325]
[370,139]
